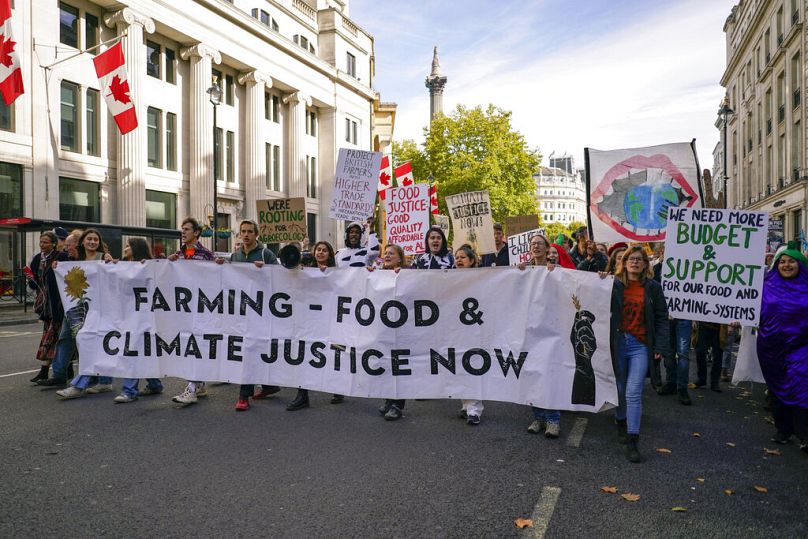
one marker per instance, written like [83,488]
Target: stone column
[297,128]
[255,172]
[131,152]
[200,139]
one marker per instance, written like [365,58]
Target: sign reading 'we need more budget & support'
[714,264]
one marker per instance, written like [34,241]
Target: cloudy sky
[603,74]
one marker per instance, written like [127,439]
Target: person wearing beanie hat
[782,344]
[61,235]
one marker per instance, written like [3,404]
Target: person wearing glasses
[639,335]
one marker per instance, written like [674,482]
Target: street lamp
[215,94]
[724,113]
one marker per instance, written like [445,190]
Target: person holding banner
[355,254]
[392,409]
[639,335]
[578,250]
[782,343]
[500,258]
[465,257]
[322,258]
[548,421]
[437,255]
[594,261]
[191,249]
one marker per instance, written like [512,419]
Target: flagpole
[115,39]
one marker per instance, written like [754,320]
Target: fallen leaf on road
[691,386]
[523,523]
[769,419]
[730,444]
[679,509]
[768,451]
[663,450]
[700,480]
[696,435]
[609,490]
[729,492]
[630,497]
[761,489]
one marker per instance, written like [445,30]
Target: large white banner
[355,184]
[472,221]
[714,264]
[630,190]
[407,217]
[531,337]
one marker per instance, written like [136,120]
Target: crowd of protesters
[642,335]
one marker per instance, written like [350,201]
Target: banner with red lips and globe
[630,190]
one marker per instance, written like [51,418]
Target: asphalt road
[92,468]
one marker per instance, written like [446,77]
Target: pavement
[89,467]
[13,313]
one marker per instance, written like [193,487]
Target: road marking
[577,432]
[543,512]
[18,373]
[18,333]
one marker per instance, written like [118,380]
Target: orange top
[633,316]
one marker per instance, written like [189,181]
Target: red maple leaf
[6,48]
[119,90]
[384,178]
[406,182]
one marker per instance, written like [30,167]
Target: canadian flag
[433,198]
[404,175]
[114,82]
[10,72]
[385,176]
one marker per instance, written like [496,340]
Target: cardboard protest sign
[714,264]
[472,221]
[281,220]
[443,222]
[521,223]
[355,183]
[519,246]
[407,218]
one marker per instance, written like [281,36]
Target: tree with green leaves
[475,150]
[552,230]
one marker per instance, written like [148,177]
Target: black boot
[632,452]
[70,373]
[301,401]
[42,375]
[622,436]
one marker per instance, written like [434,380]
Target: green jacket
[260,252]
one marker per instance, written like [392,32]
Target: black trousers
[789,419]
[709,338]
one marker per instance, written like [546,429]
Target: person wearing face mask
[355,254]
[472,410]
[782,343]
[437,254]
[545,420]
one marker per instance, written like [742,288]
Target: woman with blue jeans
[639,334]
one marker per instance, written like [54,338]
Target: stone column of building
[297,128]
[435,82]
[200,140]
[255,172]
[131,148]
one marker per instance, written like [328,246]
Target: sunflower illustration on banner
[631,190]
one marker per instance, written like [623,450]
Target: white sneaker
[537,426]
[201,389]
[188,396]
[99,388]
[553,430]
[124,398]
[71,392]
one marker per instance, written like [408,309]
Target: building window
[351,131]
[171,141]
[68,25]
[171,66]
[276,109]
[229,89]
[69,116]
[350,64]
[78,201]
[217,150]
[153,59]
[229,152]
[268,164]
[311,177]
[311,123]
[277,184]
[311,225]
[92,122]
[267,106]
[216,78]
[796,154]
[303,42]
[161,209]
[91,32]
[153,136]
[6,116]
[10,190]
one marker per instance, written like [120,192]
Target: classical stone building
[766,136]
[297,84]
[561,192]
